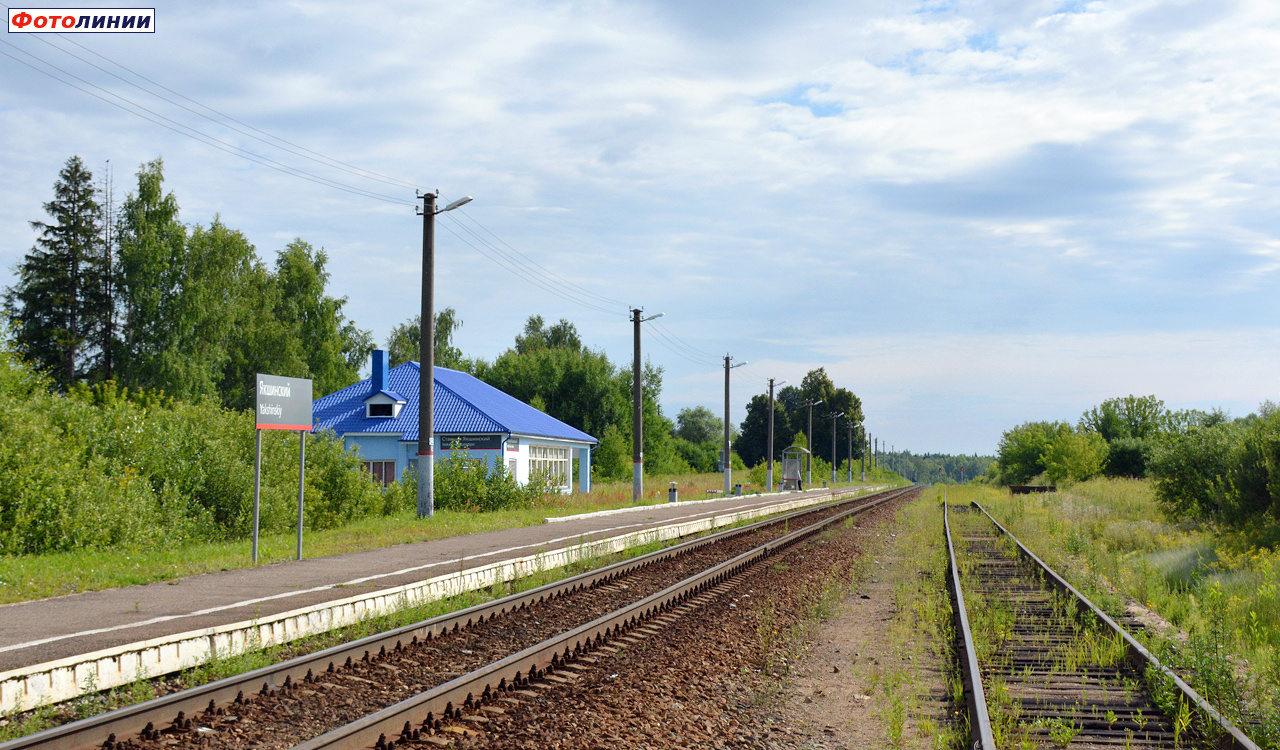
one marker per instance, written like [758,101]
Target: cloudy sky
[972,214]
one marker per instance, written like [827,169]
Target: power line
[189,132]
[672,347]
[520,272]
[288,146]
[544,269]
[709,359]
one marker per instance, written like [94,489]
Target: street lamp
[770,441]
[427,355]
[834,461]
[808,472]
[637,414]
[728,458]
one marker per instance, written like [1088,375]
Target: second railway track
[281,706]
[1044,667]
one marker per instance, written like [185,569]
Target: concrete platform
[52,649]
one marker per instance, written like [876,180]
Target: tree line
[1202,464]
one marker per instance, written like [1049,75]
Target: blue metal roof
[463,404]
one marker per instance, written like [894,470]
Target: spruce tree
[60,303]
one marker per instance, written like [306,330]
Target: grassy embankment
[1111,540]
[922,631]
[26,577]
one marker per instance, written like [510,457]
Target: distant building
[378,418]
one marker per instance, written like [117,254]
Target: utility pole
[808,436]
[834,417]
[850,471]
[107,283]
[769,472]
[862,454]
[637,417]
[728,459]
[637,413]
[427,356]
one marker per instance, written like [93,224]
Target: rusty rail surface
[980,732]
[1098,702]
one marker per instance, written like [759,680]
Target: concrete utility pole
[427,356]
[849,478]
[834,417]
[862,459]
[728,457]
[637,413]
[769,472]
[808,436]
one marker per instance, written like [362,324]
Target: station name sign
[282,403]
[471,442]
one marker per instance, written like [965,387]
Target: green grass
[27,577]
[1109,538]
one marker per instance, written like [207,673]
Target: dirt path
[873,675]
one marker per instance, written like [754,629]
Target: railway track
[1044,667]
[450,671]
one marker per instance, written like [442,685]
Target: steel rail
[129,721]
[980,733]
[397,722]
[1232,739]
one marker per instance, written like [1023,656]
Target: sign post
[281,404]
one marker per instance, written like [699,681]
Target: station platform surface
[47,630]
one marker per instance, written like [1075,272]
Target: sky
[971,214]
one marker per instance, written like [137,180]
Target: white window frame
[555,460]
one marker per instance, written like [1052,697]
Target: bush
[463,483]
[1127,457]
[107,467]
[1074,456]
[1222,471]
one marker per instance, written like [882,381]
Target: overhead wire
[248,130]
[669,345]
[514,266]
[675,344]
[187,131]
[517,271]
[544,269]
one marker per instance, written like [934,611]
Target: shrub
[105,466]
[464,483]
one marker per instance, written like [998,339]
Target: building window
[511,467]
[382,472]
[381,410]
[551,460]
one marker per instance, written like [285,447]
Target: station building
[378,418]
